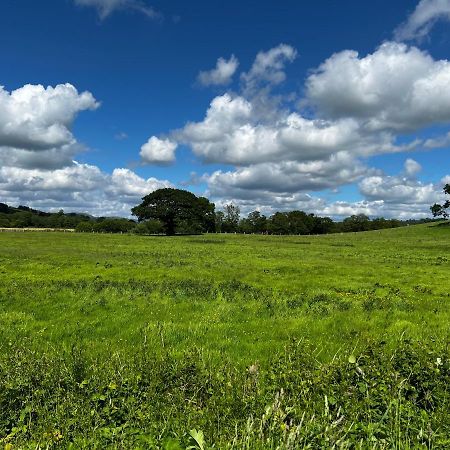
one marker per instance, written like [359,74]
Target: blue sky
[332,107]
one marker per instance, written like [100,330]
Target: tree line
[26,217]
[176,211]
[297,222]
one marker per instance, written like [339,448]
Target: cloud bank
[353,107]
[37,148]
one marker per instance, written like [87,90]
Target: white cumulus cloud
[420,22]
[37,151]
[412,168]
[396,88]
[362,106]
[221,75]
[37,118]
[125,182]
[401,195]
[230,133]
[286,177]
[79,187]
[268,67]
[158,151]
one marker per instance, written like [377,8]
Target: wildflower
[439,361]
[253,369]
[57,435]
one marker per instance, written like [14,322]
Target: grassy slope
[234,298]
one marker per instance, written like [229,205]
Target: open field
[117,341]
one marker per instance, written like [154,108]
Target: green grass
[259,341]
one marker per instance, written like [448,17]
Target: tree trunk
[170,227]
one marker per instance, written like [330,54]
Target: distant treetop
[441,210]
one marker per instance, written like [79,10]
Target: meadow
[225,341]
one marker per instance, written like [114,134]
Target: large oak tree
[178,210]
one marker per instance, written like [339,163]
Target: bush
[114,226]
[149,227]
[85,227]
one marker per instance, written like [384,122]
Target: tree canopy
[178,210]
[441,210]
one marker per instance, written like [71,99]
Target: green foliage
[24,216]
[441,210]
[113,225]
[255,223]
[381,397]
[301,223]
[219,221]
[106,225]
[149,227]
[231,218]
[85,227]
[359,222]
[178,210]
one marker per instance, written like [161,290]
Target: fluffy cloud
[36,125]
[80,187]
[439,142]
[412,168]
[78,177]
[276,189]
[54,158]
[420,22]
[221,75]
[402,195]
[37,118]
[283,186]
[229,134]
[37,151]
[287,177]
[396,88]
[398,190]
[268,67]
[107,7]
[125,182]
[377,208]
[158,151]
[361,107]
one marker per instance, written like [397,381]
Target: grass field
[225,341]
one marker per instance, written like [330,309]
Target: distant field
[118,341]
